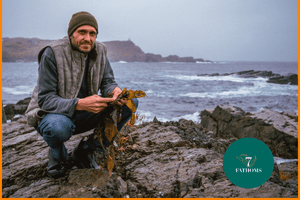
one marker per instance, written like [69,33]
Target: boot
[54,169]
[83,156]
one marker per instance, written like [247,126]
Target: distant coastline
[26,50]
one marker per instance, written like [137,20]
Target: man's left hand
[116,93]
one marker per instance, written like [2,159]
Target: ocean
[175,91]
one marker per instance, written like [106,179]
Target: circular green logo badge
[248,163]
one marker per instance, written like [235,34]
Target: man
[65,101]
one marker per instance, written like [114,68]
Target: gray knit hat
[81,18]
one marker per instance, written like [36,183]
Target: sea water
[174,90]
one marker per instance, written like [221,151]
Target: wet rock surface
[278,131]
[161,159]
[12,111]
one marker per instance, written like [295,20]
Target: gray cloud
[231,30]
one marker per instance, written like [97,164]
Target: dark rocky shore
[161,159]
[291,79]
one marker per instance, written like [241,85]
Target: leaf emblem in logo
[247,160]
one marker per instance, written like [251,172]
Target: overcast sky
[218,30]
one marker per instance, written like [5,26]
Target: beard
[76,45]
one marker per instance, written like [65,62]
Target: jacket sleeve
[108,82]
[48,98]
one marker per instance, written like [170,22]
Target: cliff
[26,50]
[22,49]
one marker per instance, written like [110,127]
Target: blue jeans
[57,129]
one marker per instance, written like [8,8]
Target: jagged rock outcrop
[161,159]
[278,131]
[11,110]
[291,79]
[288,79]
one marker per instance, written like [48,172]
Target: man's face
[83,38]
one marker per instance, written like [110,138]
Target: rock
[171,58]
[9,111]
[122,185]
[24,101]
[288,170]
[290,79]
[275,176]
[164,172]
[20,109]
[24,153]
[3,115]
[187,59]
[6,192]
[278,131]
[163,159]
[291,114]
[132,189]
[155,120]
[153,57]
[201,60]
[40,189]
[256,74]
[88,177]
[16,109]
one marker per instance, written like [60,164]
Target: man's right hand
[93,104]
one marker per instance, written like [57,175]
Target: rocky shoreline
[161,159]
[291,79]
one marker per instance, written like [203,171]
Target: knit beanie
[81,18]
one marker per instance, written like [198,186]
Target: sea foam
[232,78]
[18,90]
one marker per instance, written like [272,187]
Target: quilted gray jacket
[60,80]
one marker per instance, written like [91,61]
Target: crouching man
[65,102]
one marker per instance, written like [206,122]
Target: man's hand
[116,93]
[93,104]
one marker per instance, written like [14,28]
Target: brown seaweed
[107,125]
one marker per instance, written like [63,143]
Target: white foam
[121,61]
[162,119]
[16,116]
[279,160]
[243,91]
[145,113]
[169,62]
[232,78]
[21,89]
[149,116]
[258,87]
[194,117]
[199,62]
[222,62]
[149,91]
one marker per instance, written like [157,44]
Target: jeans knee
[62,132]
[56,128]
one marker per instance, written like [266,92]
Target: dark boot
[83,156]
[54,169]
